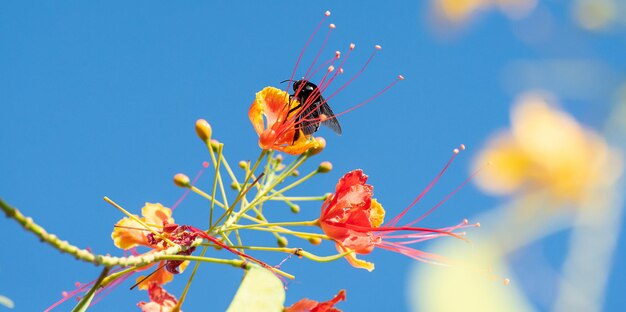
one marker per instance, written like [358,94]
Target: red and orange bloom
[308,305]
[276,126]
[160,300]
[129,234]
[355,221]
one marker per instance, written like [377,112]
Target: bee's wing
[309,122]
[331,121]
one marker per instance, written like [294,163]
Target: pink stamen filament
[193,182]
[397,218]
[355,76]
[324,65]
[303,118]
[458,188]
[293,73]
[319,52]
[414,253]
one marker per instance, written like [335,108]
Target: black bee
[310,117]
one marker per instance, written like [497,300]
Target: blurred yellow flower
[546,150]
[457,11]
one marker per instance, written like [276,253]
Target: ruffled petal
[161,277]
[156,214]
[160,300]
[308,305]
[268,115]
[128,233]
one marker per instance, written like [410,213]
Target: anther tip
[477,224]
[327,13]
[400,77]
[506,282]
[352,46]
[331,68]
[341,70]
[332,26]
[205,164]
[377,47]
[455,151]
[243,164]
[465,221]
[337,54]
[462,147]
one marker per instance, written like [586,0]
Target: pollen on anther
[327,13]
[400,77]
[332,26]
[462,147]
[378,47]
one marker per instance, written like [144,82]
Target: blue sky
[101,100]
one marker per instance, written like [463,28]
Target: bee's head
[307,87]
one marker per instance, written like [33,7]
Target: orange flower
[160,300]
[308,305]
[269,114]
[353,219]
[128,234]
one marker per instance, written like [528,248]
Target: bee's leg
[293,109]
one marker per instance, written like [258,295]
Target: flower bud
[321,144]
[234,186]
[315,241]
[203,130]
[181,180]
[243,164]
[324,167]
[282,241]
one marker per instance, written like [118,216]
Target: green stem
[188,285]
[278,180]
[297,198]
[296,223]
[295,233]
[233,262]
[82,305]
[217,171]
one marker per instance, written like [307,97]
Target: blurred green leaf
[260,291]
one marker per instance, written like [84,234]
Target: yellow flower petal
[354,261]
[128,233]
[377,213]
